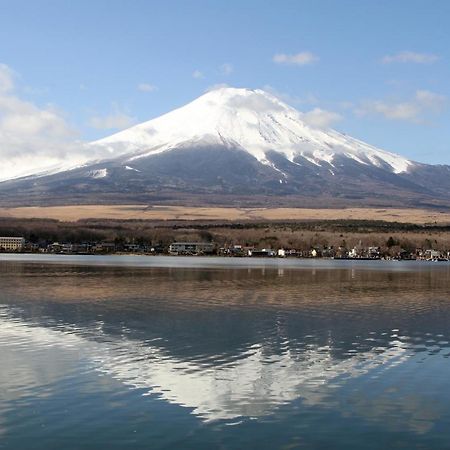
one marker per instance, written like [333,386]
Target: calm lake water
[203,353]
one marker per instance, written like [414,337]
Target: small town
[360,252]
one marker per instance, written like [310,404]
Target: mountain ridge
[238,146]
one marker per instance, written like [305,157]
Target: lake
[201,353]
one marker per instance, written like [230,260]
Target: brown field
[145,212]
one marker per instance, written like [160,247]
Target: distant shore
[342,238]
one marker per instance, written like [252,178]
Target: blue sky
[377,70]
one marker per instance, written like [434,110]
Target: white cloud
[7,76]
[415,110]
[321,118]
[430,100]
[226,69]
[410,57]
[254,102]
[394,111]
[146,87]
[307,99]
[197,75]
[115,121]
[37,138]
[317,117]
[298,59]
[214,87]
[31,137]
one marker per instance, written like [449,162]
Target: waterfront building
[432,254]
[265,252]
[12,243]
[191,248]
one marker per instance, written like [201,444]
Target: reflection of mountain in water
[250,383]
[230,343]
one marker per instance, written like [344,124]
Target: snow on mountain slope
[253,120]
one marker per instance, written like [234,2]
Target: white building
[432,254]
[12,243]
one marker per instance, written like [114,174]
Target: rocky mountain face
[237,146]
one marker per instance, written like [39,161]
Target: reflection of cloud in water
[22,346]
[252,385]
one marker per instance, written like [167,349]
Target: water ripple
[228,347]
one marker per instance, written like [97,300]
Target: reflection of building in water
[12,243]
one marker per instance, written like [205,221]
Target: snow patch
[273,166]
[311,160]
[100,173]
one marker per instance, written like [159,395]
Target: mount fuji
[237,146]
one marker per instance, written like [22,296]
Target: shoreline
[218,262]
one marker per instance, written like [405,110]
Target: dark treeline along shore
[391,238]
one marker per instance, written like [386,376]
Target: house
[56,247]
[432,254]
[191,248]
[342,252]
[133,248]
[80,249]
[265,252]
[328,252]
[234,250]
[158,248]
[104,247]
[31,247]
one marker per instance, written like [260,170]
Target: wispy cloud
[317,117]
[321,118]
[198,75]
[410,57]
[117,120]
[7,76]
[298,59]
[226,69]
[146,87]
[416,110]
[214,87]
[307,99]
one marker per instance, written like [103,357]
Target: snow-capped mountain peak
[253,120]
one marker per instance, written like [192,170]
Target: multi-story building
[191,248]
[12,243]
